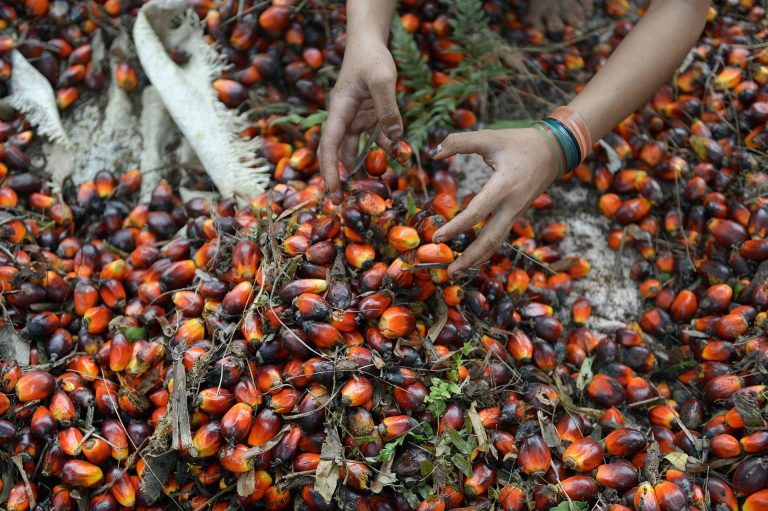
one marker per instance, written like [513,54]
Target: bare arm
[370,18]
[641,64]
[522,159]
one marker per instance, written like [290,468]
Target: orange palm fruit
[230,92]
[397,321]
[35,385]
[18,498]
[583,455]
[645,498]
[396,426]
[311,306]
[620,475]
[234,460]
[581,311]
[632,210]
[62,408]
[533,455]
[403,238]
[207,440]
[284,401]
[357,391]
[376,162]
[66,96]
[755,502]
[624,442]
[296,287]
[322,335]
[96,450]
[360,255]
[238,298]
[722,387]
[727,232]
[81,473]
[275,18]
[121,487]
[266,425]
[126,77]
[579,487]
[606,391]
[720,492]
[512,497]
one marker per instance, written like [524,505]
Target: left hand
[524,166]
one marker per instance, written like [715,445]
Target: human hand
[524,166]
[364,95]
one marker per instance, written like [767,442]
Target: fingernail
[393,131]
[435,150]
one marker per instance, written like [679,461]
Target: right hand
[364,95]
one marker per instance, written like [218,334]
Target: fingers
[534,15]
[348,151]
[341,114]
[494,233]
[482,205]
[384,142]
[573,13]
[382,89]
[555,26]
[588,6]
[462,143]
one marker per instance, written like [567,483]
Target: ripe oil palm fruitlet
[296,354]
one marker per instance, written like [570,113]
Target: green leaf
[410,204]
[570,506]
[314,119]
[426,468]
[677,459]
[585,373]
[462,464]
[459,442]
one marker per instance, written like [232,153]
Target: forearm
[366,18]
[641,64]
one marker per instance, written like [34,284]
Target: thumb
[472,142]
[382,91]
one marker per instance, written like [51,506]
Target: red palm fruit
[581,311]
[215,400]
[178,274]
[434,253]
[116,269]
[66,96]
[275,18]
[236,423]
[721,387]
[296,245]
[207,440]
[126,77]
[276,499]
[121,488]
[397,321]
[322,335]
[579,487]
[251,328]
[189,303]
[357,391]
[512,498]
[360,255]
[720,492]
[86,297]
[727,232]
[453,295]
[755,443]
[80,473]
[411,397]
[234,460]
[533,455]
[230,92]
[669,496]
[190,331]
[8,197]
[144,357]
[620,475]
[396,426]
[731,326]
[645,498]
[53,460]
[265,426]
[306,461]
[35,385]
[624,442]
[310,306]
[751,475]
[446,206]
[62,408]
[755,502]
[96,450]
[754,250]
[583,455]
[18,498]
[62,500]
[296,287]
[663,415]
[285,400]
[246,256]
[238,299]
[684,306]
[632,210]
[376,162]
[434,503]
[113,294]
[520,346]
[374,305]
[403,238]
[606,391]
[725,446]
[43,424]
[482,478]
[716,298]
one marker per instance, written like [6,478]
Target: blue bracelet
[571,139]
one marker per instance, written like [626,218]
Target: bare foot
[550,16]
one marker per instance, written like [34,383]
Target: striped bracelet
[561,137]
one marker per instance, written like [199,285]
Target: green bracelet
[559,155]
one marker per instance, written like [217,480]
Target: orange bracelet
[578,127]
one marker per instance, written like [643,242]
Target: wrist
[547,153]
[369,22]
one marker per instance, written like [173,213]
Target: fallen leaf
[479,429]
[246,483]
[677,459]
